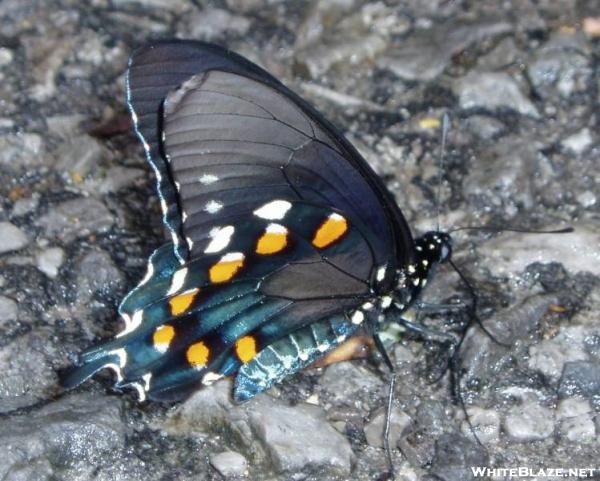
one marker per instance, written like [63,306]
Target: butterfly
[284,242]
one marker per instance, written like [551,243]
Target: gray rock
[492,91]
[25,205]
[399,424]
[317,59]
[230,464]
[80,156]
[454,457]
[587,198]
[73,428]
[550,356]
[320,17]
[504,173]
[576,419]
[175,5]
[578,142]
[27,374]
[11,238]
[97,272]
[511,252]
[76,218]
[213,23]
[348,381]
[580,378]
[263,425]
[426,54]
[485,127]
[118,178]
[49,261]
[21,150]
[9,311]
[529,422]
[6,56]
[314,443]
[484,423]
[503,55]
[562,66]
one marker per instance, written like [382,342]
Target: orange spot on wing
[274,240]
[181,302]
[197,355]
[245,348]
[226,268]
[163,335]
[330,231]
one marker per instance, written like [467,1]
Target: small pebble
[11,238]
[8,310]
[579,142]
[529,422]
[230,464]
[399,423]
[50,260]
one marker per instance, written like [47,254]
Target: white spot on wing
[276,229]
[274,210]
[232,257]
[146,377]
[220,238]
[208,179]
[358,317]
[140,390]
[380,274]
[213,206]
[121,354]
[190,243]
[386,301]
[149,274]
[336,217]
[131,323]
[177,281]
[183,216]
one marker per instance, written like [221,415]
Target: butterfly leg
[425,331]
[388,410]
[429,307]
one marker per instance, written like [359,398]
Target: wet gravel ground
[79,216]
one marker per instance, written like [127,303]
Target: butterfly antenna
[445,129]
[565,230]
[390,400]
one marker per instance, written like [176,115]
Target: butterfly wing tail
[89,364]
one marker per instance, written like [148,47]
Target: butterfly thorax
[431,249]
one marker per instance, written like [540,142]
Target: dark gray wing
[232,121]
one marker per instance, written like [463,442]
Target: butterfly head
[434,248]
